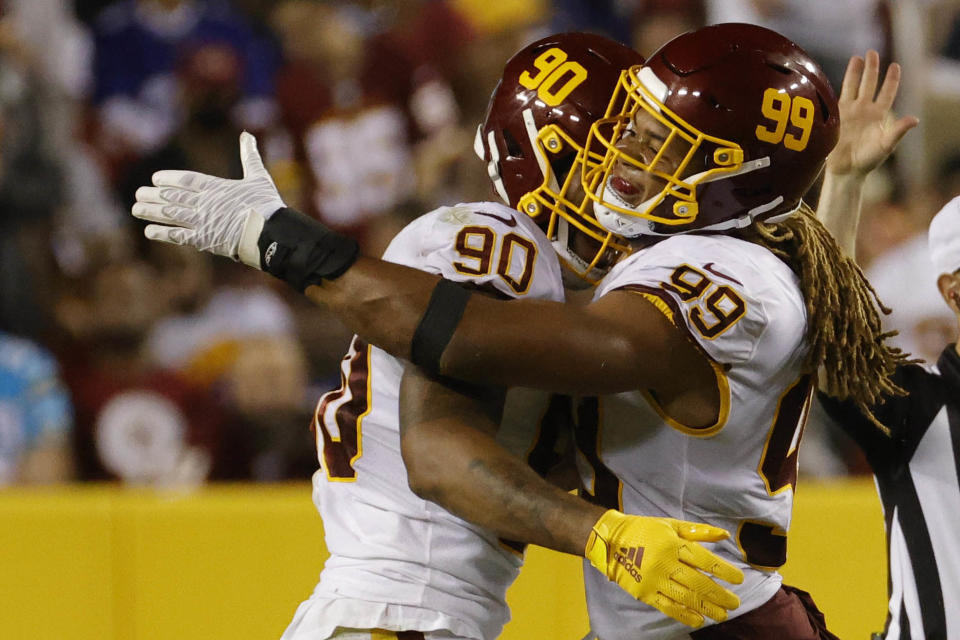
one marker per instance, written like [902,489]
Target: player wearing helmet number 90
[703,342]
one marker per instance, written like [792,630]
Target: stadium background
[153,403]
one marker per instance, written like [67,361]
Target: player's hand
[659,561]
[212,214]
[244,220]
[869,131]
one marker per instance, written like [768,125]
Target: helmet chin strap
[620,224]
[572,261]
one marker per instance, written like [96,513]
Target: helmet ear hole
[514,150]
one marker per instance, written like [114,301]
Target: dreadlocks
[844,335]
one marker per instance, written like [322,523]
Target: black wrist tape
[438,324]
[302,251]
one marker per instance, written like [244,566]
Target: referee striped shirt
[917,471]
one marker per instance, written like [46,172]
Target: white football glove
[212,214]
[244,220]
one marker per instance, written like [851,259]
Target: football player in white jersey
[704,341]
[398,562]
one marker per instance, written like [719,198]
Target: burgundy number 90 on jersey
[482,250]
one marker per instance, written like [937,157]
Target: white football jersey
[743,307]
[398,562]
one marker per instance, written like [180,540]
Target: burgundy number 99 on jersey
[713,308]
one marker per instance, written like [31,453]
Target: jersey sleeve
[486,245]
[718,299]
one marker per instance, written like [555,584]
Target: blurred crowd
[149,364]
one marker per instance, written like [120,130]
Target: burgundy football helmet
[533,136]
[722,126]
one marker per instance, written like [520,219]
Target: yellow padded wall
[837,551]
[104,563]
[56,564]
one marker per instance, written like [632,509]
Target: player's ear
[949,285]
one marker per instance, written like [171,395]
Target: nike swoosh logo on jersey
[709,267]
[510,222]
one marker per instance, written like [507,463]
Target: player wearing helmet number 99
[703,342]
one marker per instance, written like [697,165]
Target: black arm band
[302,251]
[438,324]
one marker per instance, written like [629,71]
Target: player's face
[647,144]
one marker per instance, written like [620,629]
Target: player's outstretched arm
[869,132]
[603,348]
[453,459]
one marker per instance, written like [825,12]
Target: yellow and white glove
[659,561]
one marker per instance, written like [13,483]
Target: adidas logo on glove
[630,558]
